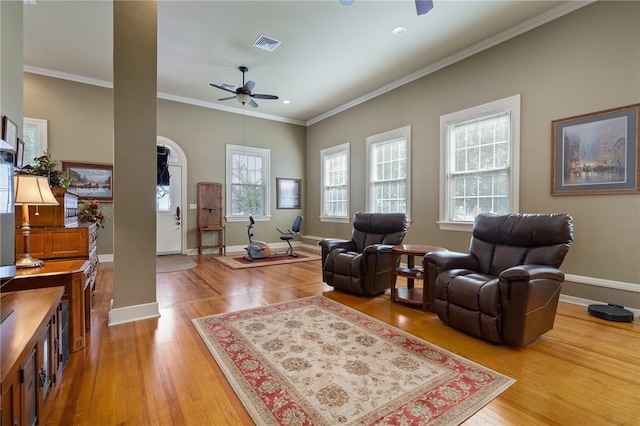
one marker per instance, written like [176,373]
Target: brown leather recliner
[506,288]
[362,265]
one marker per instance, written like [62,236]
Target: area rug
[173,263]
[313,361]
[239,262]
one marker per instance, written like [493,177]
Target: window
[388,172]
[34,135]
[479,162]
[335,183]
[248,177]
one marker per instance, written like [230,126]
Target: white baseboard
[133,313]
[586,302]
[600,282]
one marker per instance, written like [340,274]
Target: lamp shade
[33,190]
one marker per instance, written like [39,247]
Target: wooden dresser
[56,233]
[31,368]
[64,242]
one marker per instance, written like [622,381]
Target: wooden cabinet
[210,214]
[71,242]
[30,369]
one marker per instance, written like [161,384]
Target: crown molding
[512,32]
[515,31]
[166,96]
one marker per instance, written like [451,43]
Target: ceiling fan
[243,93]
[422,6]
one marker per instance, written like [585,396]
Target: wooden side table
[410,294]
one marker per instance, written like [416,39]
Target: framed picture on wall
[90,181]
[596,153]
[288,193]
[9,131]
[18,161]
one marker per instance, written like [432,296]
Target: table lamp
[31,190]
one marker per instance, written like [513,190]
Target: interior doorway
[171,200]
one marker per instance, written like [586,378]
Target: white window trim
[345,147]
[383,137]
[510,104]
[42,132]
[266,153]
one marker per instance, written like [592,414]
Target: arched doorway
[171,201]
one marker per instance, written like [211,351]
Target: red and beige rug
[315,361]
[239,262]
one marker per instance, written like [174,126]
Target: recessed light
[399,30]
[286,102]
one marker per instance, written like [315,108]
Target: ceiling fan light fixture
[243,98]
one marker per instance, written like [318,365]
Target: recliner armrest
[377,248]
[532,272]
[333,243]
[446,260]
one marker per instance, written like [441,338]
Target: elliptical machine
[256,249]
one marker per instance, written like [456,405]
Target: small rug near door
[173,263]
[315,361]
[239,262]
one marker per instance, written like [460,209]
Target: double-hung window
[34,135]
[389,171]
[479,162]
[334,168]
[248,176]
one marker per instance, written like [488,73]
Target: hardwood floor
[585,371]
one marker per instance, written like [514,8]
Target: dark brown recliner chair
[506,288]
[362,265]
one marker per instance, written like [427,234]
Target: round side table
[410,294]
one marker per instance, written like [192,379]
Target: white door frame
[178,158]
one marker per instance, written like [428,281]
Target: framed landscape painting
[89,180]
[596,153]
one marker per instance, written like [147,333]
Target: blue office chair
[292,234]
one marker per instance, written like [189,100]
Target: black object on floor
[611,312]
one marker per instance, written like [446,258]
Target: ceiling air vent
[266,43]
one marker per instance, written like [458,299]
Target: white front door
[169,214]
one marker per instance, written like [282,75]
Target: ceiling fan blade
[248,87]
[423,6]
[221,88]
[226,99]
[260,96]
[253,103]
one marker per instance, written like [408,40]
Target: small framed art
[288,193]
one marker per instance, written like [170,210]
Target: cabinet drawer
[56,243]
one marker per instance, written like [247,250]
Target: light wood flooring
[586,371]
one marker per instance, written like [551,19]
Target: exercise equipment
[256,249]
[292,234]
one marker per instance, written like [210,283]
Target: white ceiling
[331,56]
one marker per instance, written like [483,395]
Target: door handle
[178,214]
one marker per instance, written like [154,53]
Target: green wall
[584,62]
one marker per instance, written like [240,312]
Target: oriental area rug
[315,361]
[238,261]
